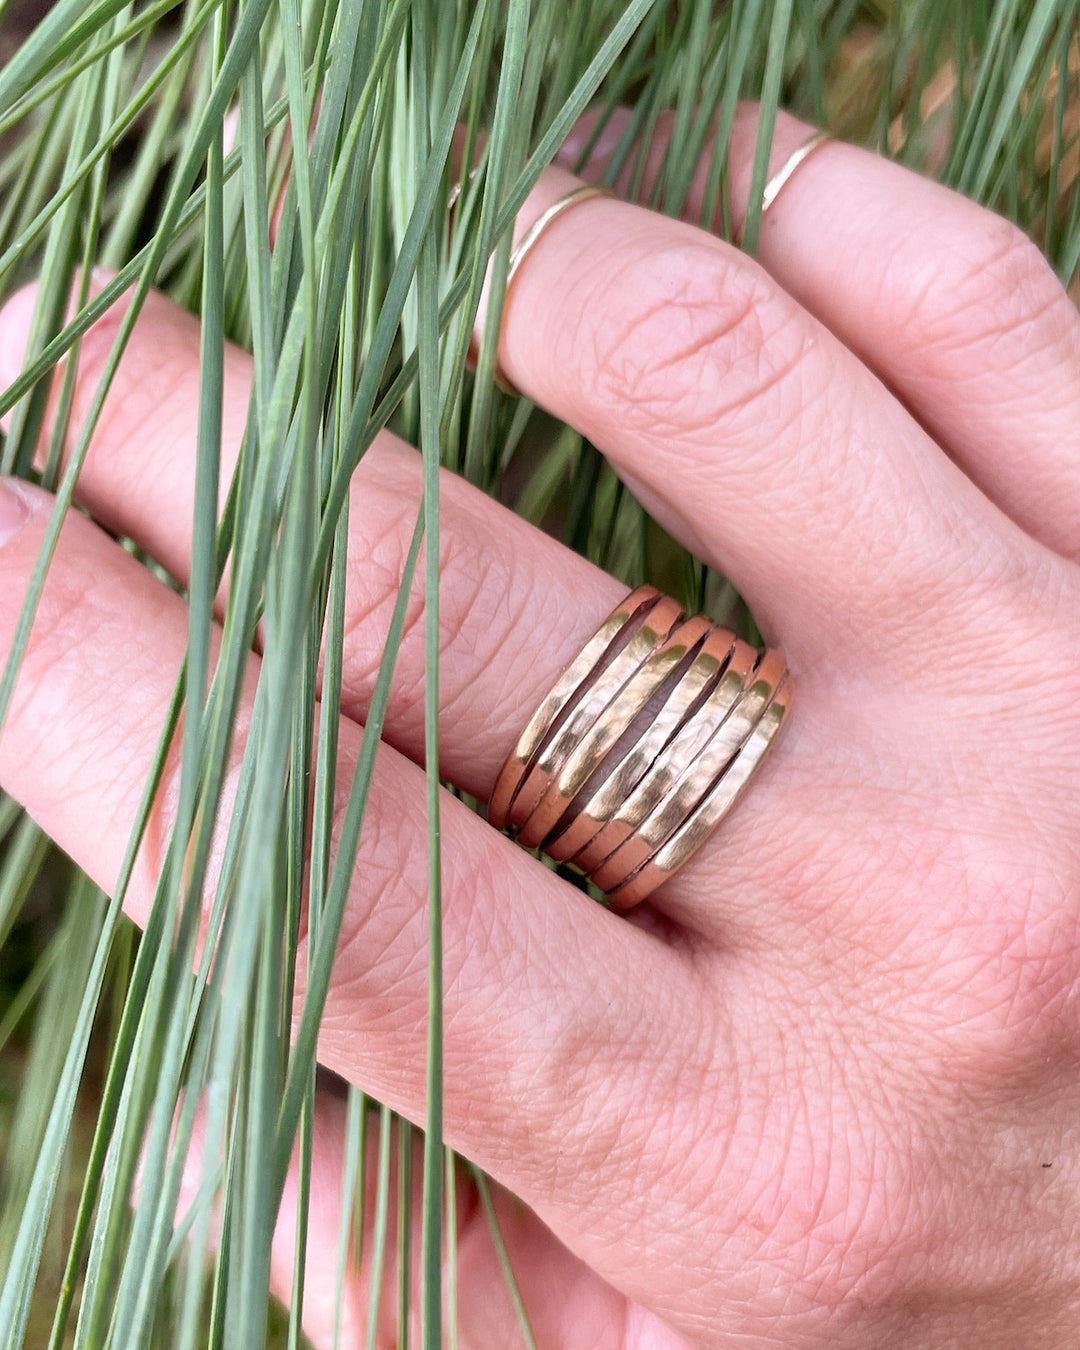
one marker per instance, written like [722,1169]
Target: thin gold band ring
[527,242]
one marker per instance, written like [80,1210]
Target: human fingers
[515,606]
[952,305]
[755,435]
[564,1302]
[550,1002]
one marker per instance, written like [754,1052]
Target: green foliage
[113,149]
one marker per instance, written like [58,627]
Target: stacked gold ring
[642,747]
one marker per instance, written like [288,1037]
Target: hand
[822,1090]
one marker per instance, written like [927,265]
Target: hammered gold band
[642,747]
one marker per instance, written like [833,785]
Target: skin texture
[806,1097]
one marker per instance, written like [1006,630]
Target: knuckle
[831,1193]
[1009,259]
[703,338]
[596,1073]
[994,282]
[1006,975]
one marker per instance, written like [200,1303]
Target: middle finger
[753,434]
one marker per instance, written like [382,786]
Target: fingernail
[14,511]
